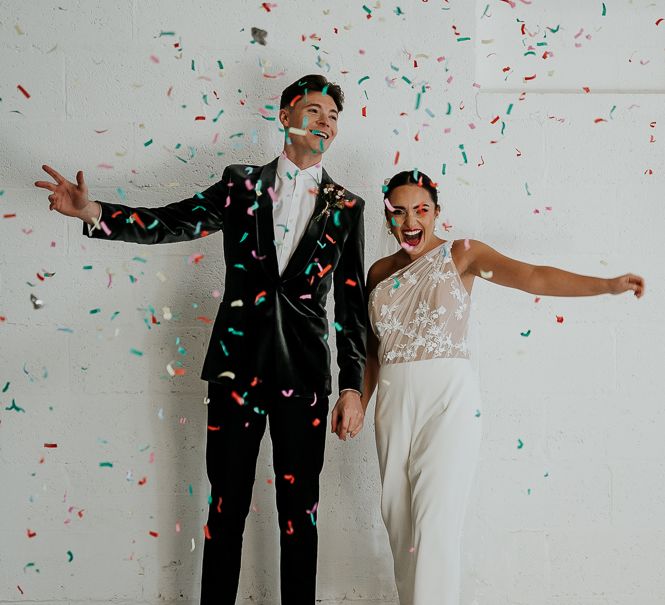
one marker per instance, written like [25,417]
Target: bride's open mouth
[412,237]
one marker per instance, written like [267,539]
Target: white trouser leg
[428,440]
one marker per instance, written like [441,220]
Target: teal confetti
[94,311]
[244,237]
[153,224]
[463,39]
[510,108]
[115,314]
[526,186]
[525,334]
[15,408]
[70,556]
[139,259]
[236,332]
[87,267]
[477,414]
[520,444]
[220,64]
[443,169]
[396,283]
[363,79]
[604,10]
[121,194]
[338,326]
[6,387]
[221,111]
[367,10]
[191,490]
[106,464]
[136,352]
[612,111]
[461,147]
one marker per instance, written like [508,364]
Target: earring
[390,231]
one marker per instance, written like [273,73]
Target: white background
[574,517]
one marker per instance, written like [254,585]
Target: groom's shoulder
[242,171]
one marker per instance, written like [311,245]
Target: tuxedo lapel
[308,245]
[265,231]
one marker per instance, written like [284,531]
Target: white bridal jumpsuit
[427,423]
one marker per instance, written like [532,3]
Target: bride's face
[412,214]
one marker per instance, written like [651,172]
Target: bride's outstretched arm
[489,264]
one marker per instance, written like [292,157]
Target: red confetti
[199,118]
[137,218]
[316,422]
[659,21]
[290,478]
[363,111]
[290,530]
[206,532]
[205,320]
[325,270]
[31,534]
[527,78]
[559,319]
[396,158]
[51,445]
[350,282]
[23,91]
[143,481]
[154,534]
[330,239]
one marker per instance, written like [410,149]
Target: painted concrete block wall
[564,168]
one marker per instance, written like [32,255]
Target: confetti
[259,35]
[520,444]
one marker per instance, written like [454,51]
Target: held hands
[627,282]
[347,415]
[70,199]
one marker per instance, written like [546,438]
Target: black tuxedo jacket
[269,326]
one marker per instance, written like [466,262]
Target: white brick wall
[572,518]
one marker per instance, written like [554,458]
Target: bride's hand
[347,416]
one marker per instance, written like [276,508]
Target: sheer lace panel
[422,310]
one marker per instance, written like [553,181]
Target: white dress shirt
[295,196]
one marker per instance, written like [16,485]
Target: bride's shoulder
[381,269]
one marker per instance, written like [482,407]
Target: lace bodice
[422,310]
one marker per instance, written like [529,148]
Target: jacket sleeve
[351,308]
[180,221]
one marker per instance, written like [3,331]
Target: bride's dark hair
[412,177]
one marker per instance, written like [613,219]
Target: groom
[290,234]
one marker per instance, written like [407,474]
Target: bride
[427,413]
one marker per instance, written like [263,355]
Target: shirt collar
[286,167]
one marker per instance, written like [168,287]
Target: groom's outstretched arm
[188,219]
[194,217]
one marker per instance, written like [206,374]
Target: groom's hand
[347,415]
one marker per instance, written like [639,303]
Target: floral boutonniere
[333,196]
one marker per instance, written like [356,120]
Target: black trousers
[236,424]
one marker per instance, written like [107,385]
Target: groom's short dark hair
[312,83]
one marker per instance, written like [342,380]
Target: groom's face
[316,114]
